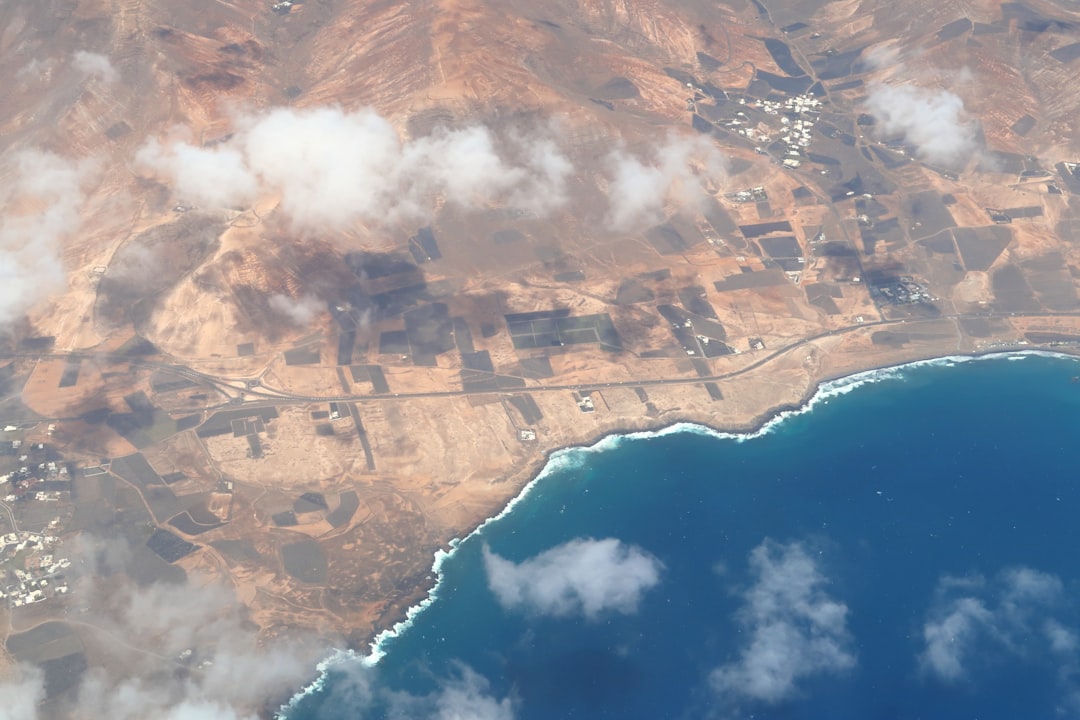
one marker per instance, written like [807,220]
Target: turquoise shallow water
[907,548]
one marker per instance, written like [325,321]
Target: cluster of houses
[796,131]
[41,576]
[798,116]
[43,480]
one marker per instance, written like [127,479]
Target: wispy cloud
[795,629]
[466,695]
[41,194]
[198,658]
[95,65]
[209,620]
[1063,640]
[468,698]
[21,693]
[950,635]
[36,69]
[581,577]
[913,105]
[972,616]
[676,171]
[299,311]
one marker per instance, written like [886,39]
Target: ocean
[904,547]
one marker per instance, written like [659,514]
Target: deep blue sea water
[905,549]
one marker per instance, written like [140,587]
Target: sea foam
[571,458]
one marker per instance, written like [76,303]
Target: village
[34,486]
[40,576]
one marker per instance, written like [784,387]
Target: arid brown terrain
[300,292]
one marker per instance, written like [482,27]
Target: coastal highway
[268,393]
[251,391]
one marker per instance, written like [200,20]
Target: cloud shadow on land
[151,264]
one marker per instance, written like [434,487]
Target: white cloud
[934,121]
[581,577]
[676,171]
[36,68]
[231,672]
[1025,587]
[232,669]
[334,168]
[42,194]
[464,696]
[795,629]
[950,635]
[299,311]
[217,176]
[1009,614]
[883,57]
[545,190]
[1063,640]
[240,674]
[21,694]
[137,698]
[468,699]
[94,65]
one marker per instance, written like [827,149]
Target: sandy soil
[403,472]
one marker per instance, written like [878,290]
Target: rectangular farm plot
[136,470]
[170,547]
[557,330]
[221,422]
[766,228]
[71,373]
[394,342]
[308,355]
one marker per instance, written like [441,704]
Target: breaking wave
[572,458]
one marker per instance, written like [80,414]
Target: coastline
[821,390]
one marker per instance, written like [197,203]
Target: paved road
[240,392]
[11,516]
[282,395]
